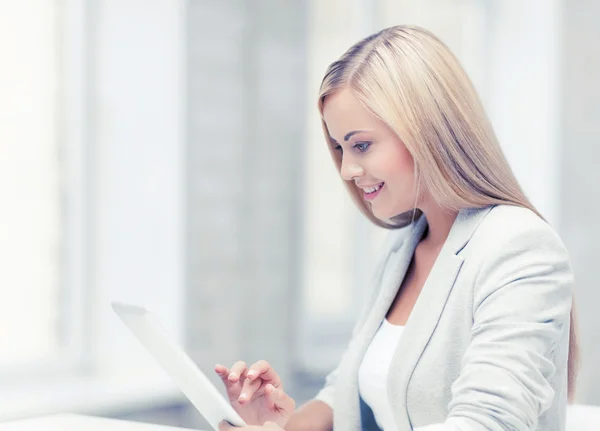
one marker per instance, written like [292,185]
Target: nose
[349,169]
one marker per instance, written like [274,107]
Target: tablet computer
[183,371]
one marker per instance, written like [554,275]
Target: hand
[256,394]
[225,426]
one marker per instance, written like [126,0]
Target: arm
[313,416]
[522,300]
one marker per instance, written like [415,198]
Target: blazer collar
[402,251]
[460,233]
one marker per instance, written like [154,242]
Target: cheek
[398,168]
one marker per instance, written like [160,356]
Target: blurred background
[169,153]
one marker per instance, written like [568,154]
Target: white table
[71,422]
[579,418]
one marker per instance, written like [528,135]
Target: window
[79,209]
[92,134]
[33,193]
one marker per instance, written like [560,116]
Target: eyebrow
[348,135]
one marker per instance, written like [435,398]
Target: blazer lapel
[429,306]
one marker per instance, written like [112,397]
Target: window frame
[102,366]
[73,255]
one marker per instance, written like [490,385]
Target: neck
[439,223]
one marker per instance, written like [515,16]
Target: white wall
[580,181]
[523,94]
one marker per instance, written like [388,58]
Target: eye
[362,146]
[338,148]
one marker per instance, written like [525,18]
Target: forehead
[343,112]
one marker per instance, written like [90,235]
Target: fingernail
[232,375]
[243,396]
[252,373]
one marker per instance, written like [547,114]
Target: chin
[385,214]
[382,215]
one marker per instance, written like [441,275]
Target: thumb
[225,426]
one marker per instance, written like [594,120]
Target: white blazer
[486,344]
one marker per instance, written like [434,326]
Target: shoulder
[514,246]
[507,229]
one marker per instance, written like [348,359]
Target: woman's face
[372,155]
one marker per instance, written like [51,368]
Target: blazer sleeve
[521,306]
[326,394]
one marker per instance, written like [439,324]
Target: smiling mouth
[373,189]
[372,192]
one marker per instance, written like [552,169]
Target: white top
[372,377]
[373,372]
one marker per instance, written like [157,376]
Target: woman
[469,326]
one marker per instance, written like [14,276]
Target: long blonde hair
[411,81]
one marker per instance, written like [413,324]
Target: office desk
[70,422]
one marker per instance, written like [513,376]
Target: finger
[272,425]
[238,369]
[258,368]
[278,399]
[233,388]
[222,371]
[265,371]
[249,389]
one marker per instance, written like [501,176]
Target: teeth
[373,189]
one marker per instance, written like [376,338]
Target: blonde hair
[412,82]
